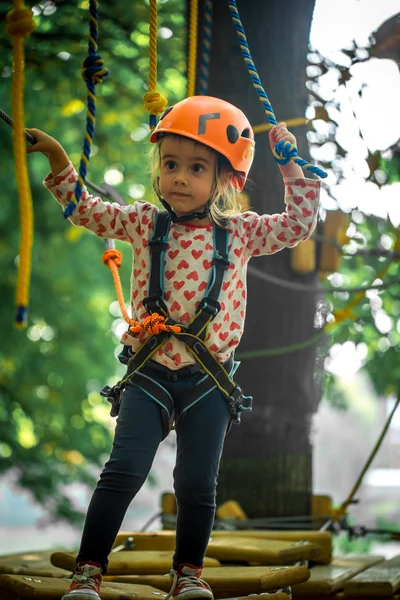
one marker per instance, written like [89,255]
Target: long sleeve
[267,234]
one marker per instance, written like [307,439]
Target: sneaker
[186,584]
[85,583]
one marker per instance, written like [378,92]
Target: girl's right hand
[47,145]
[44,143]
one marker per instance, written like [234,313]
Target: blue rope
[206,47]
[93,72]
[284,152]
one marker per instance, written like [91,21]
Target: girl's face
[187,174]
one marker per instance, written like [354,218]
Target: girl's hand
[44,143]
[47,145]
[280,132]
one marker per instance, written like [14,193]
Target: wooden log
[327,579]
[52,588]
[227,582]
[30,563]
[379,581]
[165,540]
[259,550]
[129,563]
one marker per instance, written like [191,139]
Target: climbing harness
[193,335]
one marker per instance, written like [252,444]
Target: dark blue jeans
[200,434]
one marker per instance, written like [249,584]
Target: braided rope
[20,25]
[206,47]
[93,72]
[154,102]
[193,27]
[284,152]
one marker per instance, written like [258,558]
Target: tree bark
[267,460]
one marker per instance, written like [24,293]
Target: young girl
[203,152]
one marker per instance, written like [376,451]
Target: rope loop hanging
[154,102]
[206,47]
[191,68]
[93,72]
[283,153]
[20,25]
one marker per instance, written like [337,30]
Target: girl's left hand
[280,132]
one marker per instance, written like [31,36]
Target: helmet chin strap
[196,215]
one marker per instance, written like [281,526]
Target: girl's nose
[180,178]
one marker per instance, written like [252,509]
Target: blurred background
[55,429]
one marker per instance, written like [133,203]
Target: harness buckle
[210,306]
[158,241]
[154,303]
[222,258]
[239,403]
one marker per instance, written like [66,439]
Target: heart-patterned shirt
[188,257]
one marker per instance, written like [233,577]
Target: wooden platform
[227,582]
[15,587]
[165,540]
[129,563]
[325,580]
[379,581]
[31,563]
[260,550]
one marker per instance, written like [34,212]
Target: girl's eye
[197,168]
[170,165]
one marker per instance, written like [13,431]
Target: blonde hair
[225,201]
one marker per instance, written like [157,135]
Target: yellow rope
[154,102]
[194,6]
[289,123]
[20,25]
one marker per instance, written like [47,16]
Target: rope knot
[154,103]
[20,22]
[284,152]
[112,254]
[93,69]
[154,324]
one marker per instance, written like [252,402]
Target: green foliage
[373,250]
[344,544]
[54,426]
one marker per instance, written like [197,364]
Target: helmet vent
[232,134]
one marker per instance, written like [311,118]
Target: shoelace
[86,579]
[187,580]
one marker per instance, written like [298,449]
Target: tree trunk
[267,460]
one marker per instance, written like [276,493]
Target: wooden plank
[129,563]
[227,582]
[327,579]
[259,550]
[30,563]
[379,581]
[148,540]
[270,596]
[165,540]
[51,588]
[341,596]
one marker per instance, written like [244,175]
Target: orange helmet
[214,123]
